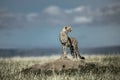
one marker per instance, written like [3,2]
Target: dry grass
[108,68]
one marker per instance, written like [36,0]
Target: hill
[56,51]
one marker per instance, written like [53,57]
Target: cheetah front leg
[64,48]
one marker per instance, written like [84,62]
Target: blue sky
[37,23]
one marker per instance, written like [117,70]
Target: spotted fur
[69,42]
[64,39]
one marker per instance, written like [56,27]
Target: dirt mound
[57,65]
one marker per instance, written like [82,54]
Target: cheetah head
[67,28]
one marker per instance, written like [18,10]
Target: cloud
[51,15]
[82,19]
[111,14]
[107,15]
[55,15]
[74,10]
[32,16]
[78,15]
[11,20]
[52,10]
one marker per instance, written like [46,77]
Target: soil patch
[61,64]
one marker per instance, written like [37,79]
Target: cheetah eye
[65,27]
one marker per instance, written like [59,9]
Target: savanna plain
[107,67]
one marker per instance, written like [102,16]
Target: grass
[107,68]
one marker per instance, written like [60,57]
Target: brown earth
[58,65]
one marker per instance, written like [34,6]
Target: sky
[37,23]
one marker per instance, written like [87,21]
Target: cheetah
[69,42]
